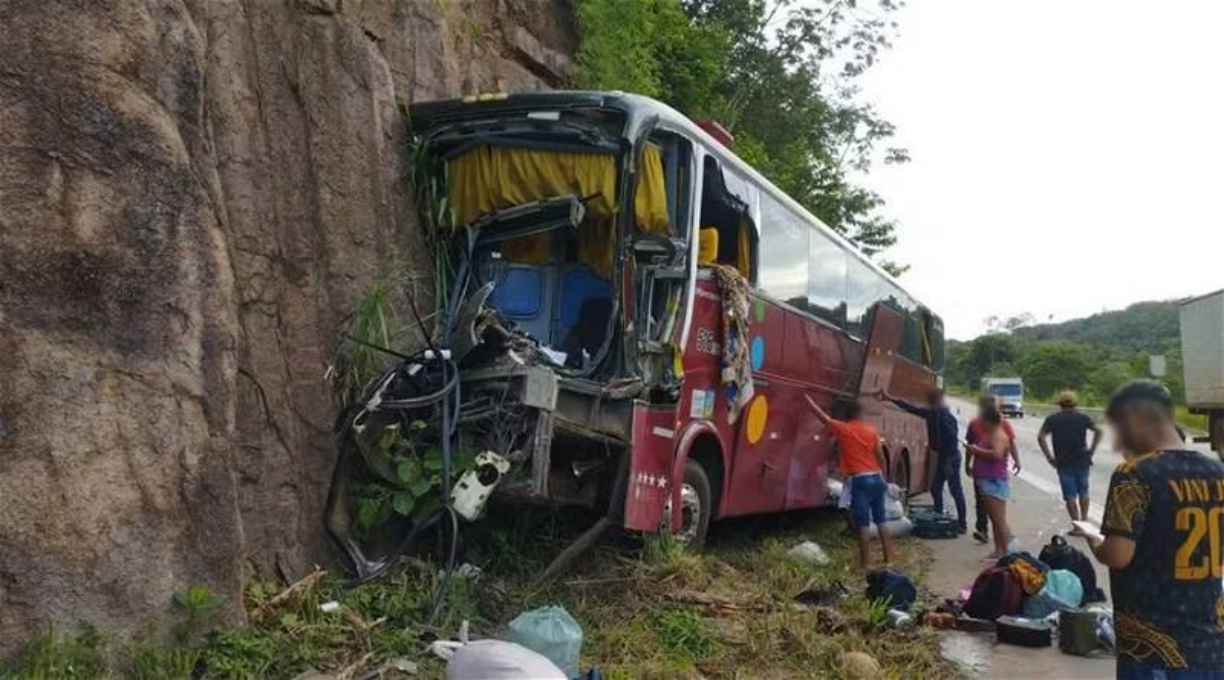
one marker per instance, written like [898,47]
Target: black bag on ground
[1058,554]
[932,525]
[1014,630]
[892,586]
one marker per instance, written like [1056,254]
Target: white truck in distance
[1202,338]
[1009,392]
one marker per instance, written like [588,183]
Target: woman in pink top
[992,477]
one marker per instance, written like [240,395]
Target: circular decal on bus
[758,415]
[758,353]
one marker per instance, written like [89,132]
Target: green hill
[1141,327]
[1093,355]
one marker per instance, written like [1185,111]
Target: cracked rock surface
[193,193]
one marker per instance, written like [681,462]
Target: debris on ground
[861,666]
[823,597]
[809,552]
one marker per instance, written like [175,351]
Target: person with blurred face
[944,446]
[976,435]
[1072,456]
[1164,523]
[861,456]
[990,475]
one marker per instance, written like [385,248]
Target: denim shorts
[1074,482]
[994,488]
[867,499]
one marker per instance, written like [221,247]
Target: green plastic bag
[551,632]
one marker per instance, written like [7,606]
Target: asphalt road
[1036,513]
[1037,472]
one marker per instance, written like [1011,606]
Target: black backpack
[892,586]
[1058,554]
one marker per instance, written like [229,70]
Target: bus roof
[638,110]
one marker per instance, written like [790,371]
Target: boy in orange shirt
[862,469]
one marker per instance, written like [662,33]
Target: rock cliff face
[193,193]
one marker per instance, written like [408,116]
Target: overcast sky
[1067,154]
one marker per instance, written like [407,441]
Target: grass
[649,609]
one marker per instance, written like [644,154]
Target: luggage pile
[1029,601]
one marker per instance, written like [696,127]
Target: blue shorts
[1133,670]
[1074,482]
[995,488]
[867,499]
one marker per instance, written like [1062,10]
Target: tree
[780,76]
[988,351]
[1053,366]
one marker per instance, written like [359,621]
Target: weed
[52,657]
[239,654]
[684,634]
[373,324]
[197,603]
[875,614]
[150,661]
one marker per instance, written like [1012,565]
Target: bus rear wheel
[696,507]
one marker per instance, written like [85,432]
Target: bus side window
[827,263]
[729,216]
[674,154]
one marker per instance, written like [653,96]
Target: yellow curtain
[743,255]
[650,203]
[490,178]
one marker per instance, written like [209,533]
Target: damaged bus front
[567,288]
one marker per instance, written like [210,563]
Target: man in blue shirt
[942,440]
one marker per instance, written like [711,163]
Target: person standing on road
[976,434]
[1072,457]
[942,441]
[862,468]
[990,476]
[1162,536]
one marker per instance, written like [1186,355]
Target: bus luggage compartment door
[650,466]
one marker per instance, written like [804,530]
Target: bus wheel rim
[690,514]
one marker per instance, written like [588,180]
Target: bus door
[887,333]
[886,336]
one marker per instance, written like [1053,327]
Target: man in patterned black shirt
[1163,543]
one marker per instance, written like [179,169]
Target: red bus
[636,313]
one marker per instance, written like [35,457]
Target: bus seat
[707,246]
[579,283]
[522,294]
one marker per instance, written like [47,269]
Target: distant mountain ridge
[1142,327]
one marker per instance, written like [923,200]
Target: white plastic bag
[500,660]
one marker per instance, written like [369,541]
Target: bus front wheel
[696,506]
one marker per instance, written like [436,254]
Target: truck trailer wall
[1202,333]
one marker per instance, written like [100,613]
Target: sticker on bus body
[702,405]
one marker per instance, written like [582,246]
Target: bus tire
[696,506]
[907,482]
